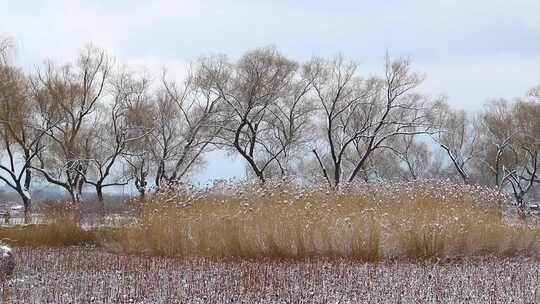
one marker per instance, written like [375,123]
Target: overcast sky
[471,51]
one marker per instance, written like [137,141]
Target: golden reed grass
[62,228]
[367,222]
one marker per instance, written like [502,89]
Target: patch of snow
[17,208]
[5,251]
[26,193]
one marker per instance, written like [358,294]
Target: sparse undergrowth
[366,222]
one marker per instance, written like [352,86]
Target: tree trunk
[27,178]
[74,196]
[101,203]
[27,202]
[27,199]
[160,175]
[142,193]
[260,175]
[337,175]
[140,185]
[77,207]
[99,192]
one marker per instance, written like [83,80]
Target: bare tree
[21,132]
[133,94]
[108,141]
[165,135]
[290,123]
[64,123]
[362,115]
[458,137]
[252,90]
[498,134]
[403,158]
[181,128]
[526,146]
[414,157]
[70,94]
[199,120]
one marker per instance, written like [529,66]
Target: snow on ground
[90,275]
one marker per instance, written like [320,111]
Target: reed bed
[366,222]
[60,226]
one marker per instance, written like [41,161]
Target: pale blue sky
[471,51]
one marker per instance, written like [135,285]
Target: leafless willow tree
[133,93]
[70,94]
[458,137]
[263,98]
[511,146]
[414,157]
[187,122]
[498,131]
[87,124]
[362,115]
[107,143]
[405,158]
[21,131]
[291,124]
[525,173]
[170,126]
[108,140]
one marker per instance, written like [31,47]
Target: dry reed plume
[367,222]
[61,228]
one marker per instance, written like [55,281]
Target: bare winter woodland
[360,189]
[94,124]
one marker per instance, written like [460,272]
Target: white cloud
[469,84]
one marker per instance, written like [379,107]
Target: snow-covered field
[91,275]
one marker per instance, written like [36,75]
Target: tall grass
[367,222]
[61,227]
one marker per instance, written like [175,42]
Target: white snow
[5,251]
[26,193]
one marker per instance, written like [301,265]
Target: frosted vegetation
[93,124]
[89,275]
[358,188]
[366,222]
